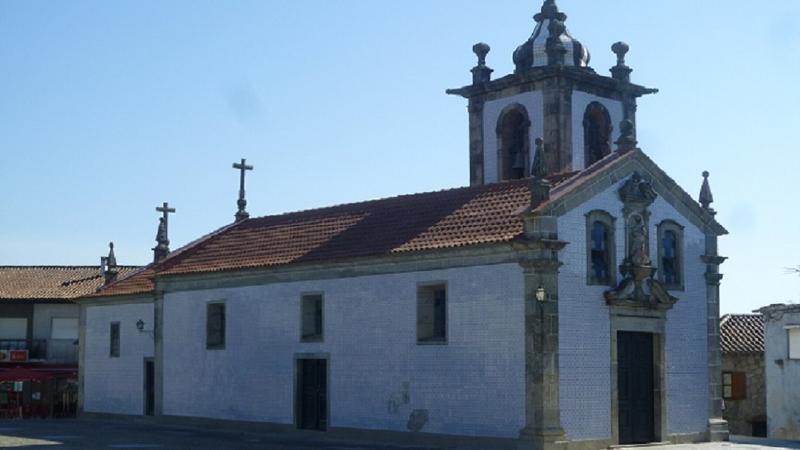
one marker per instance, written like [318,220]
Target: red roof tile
[741,333]
[63,283]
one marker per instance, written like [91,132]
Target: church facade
[568,298]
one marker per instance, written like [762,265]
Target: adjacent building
[782,364]
[39,323]
[743,382]
[569,297]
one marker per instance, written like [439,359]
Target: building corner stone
[717,426]
[537,251]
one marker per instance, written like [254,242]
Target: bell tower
[553,94]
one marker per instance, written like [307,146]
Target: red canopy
[27,374]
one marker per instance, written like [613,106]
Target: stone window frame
[319,334]
[421,297]
[587,156]
[609,221]
[216,345]
[680,259]
[526,151]
[734,385]
[114,340]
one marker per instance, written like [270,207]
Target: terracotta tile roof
[43,283]
[452,218]
[741,333]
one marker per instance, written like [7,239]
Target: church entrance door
[312,394]
[636,391]
[149,387]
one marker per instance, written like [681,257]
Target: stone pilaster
[717,426]
[476,141]
[538,256]
[81,356]
[557,121]
[158,352]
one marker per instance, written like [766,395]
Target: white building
[782,369]
[576,301]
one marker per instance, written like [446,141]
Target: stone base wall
[741,414]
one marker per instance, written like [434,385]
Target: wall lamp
[541,295]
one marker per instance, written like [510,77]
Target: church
[568,298]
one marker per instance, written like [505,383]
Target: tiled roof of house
[741,333]
[63,283]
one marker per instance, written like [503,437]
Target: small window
[734,385]
[600,248]
[794,342]
[670,254]
[432,314]
[215,326]
[596,133]
[311,317]
[114,340]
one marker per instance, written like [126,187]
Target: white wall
[783,390]
[580,101]
[44,313]
[116,385]
[472,386]
[533,102]
[585,341]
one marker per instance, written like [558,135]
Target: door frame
[144,386]
[652,323]
[296,386]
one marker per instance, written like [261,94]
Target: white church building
[568,298]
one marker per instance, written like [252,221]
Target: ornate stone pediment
[639,287]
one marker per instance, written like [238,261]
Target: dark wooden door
[312,394]
[149,388]
[635,373]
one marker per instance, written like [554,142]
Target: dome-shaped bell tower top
[551,44]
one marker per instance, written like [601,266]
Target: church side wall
[533,102]
[116,385]
[580,101]
[378,374]
[584,324]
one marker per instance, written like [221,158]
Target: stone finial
[481,73]
[550,11]
[111,260]
[108,266]
[706,197]
[627,137]
[621,71]
[539,185]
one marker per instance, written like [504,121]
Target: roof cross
[242,214]
[166,210]
[162,236]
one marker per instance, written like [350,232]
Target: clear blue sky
[108,109]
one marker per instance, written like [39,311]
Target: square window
[215,326]
[734,385]
[432,314]
[114,340]
[311,318]
[794,343]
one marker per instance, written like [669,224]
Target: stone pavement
[737,443]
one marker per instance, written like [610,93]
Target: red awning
[27,374]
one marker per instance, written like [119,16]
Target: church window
[113,338]
[601,258]
[311,312]
[596,133]
[432,313]
[513,143]
[215,326]
[670,237]
[734,385]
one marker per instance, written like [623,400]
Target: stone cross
[242,214]
[166,210]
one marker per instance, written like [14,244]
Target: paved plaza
[102,434]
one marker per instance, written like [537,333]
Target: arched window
[596,133]
[670,254]
[513,143]
[601,246]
